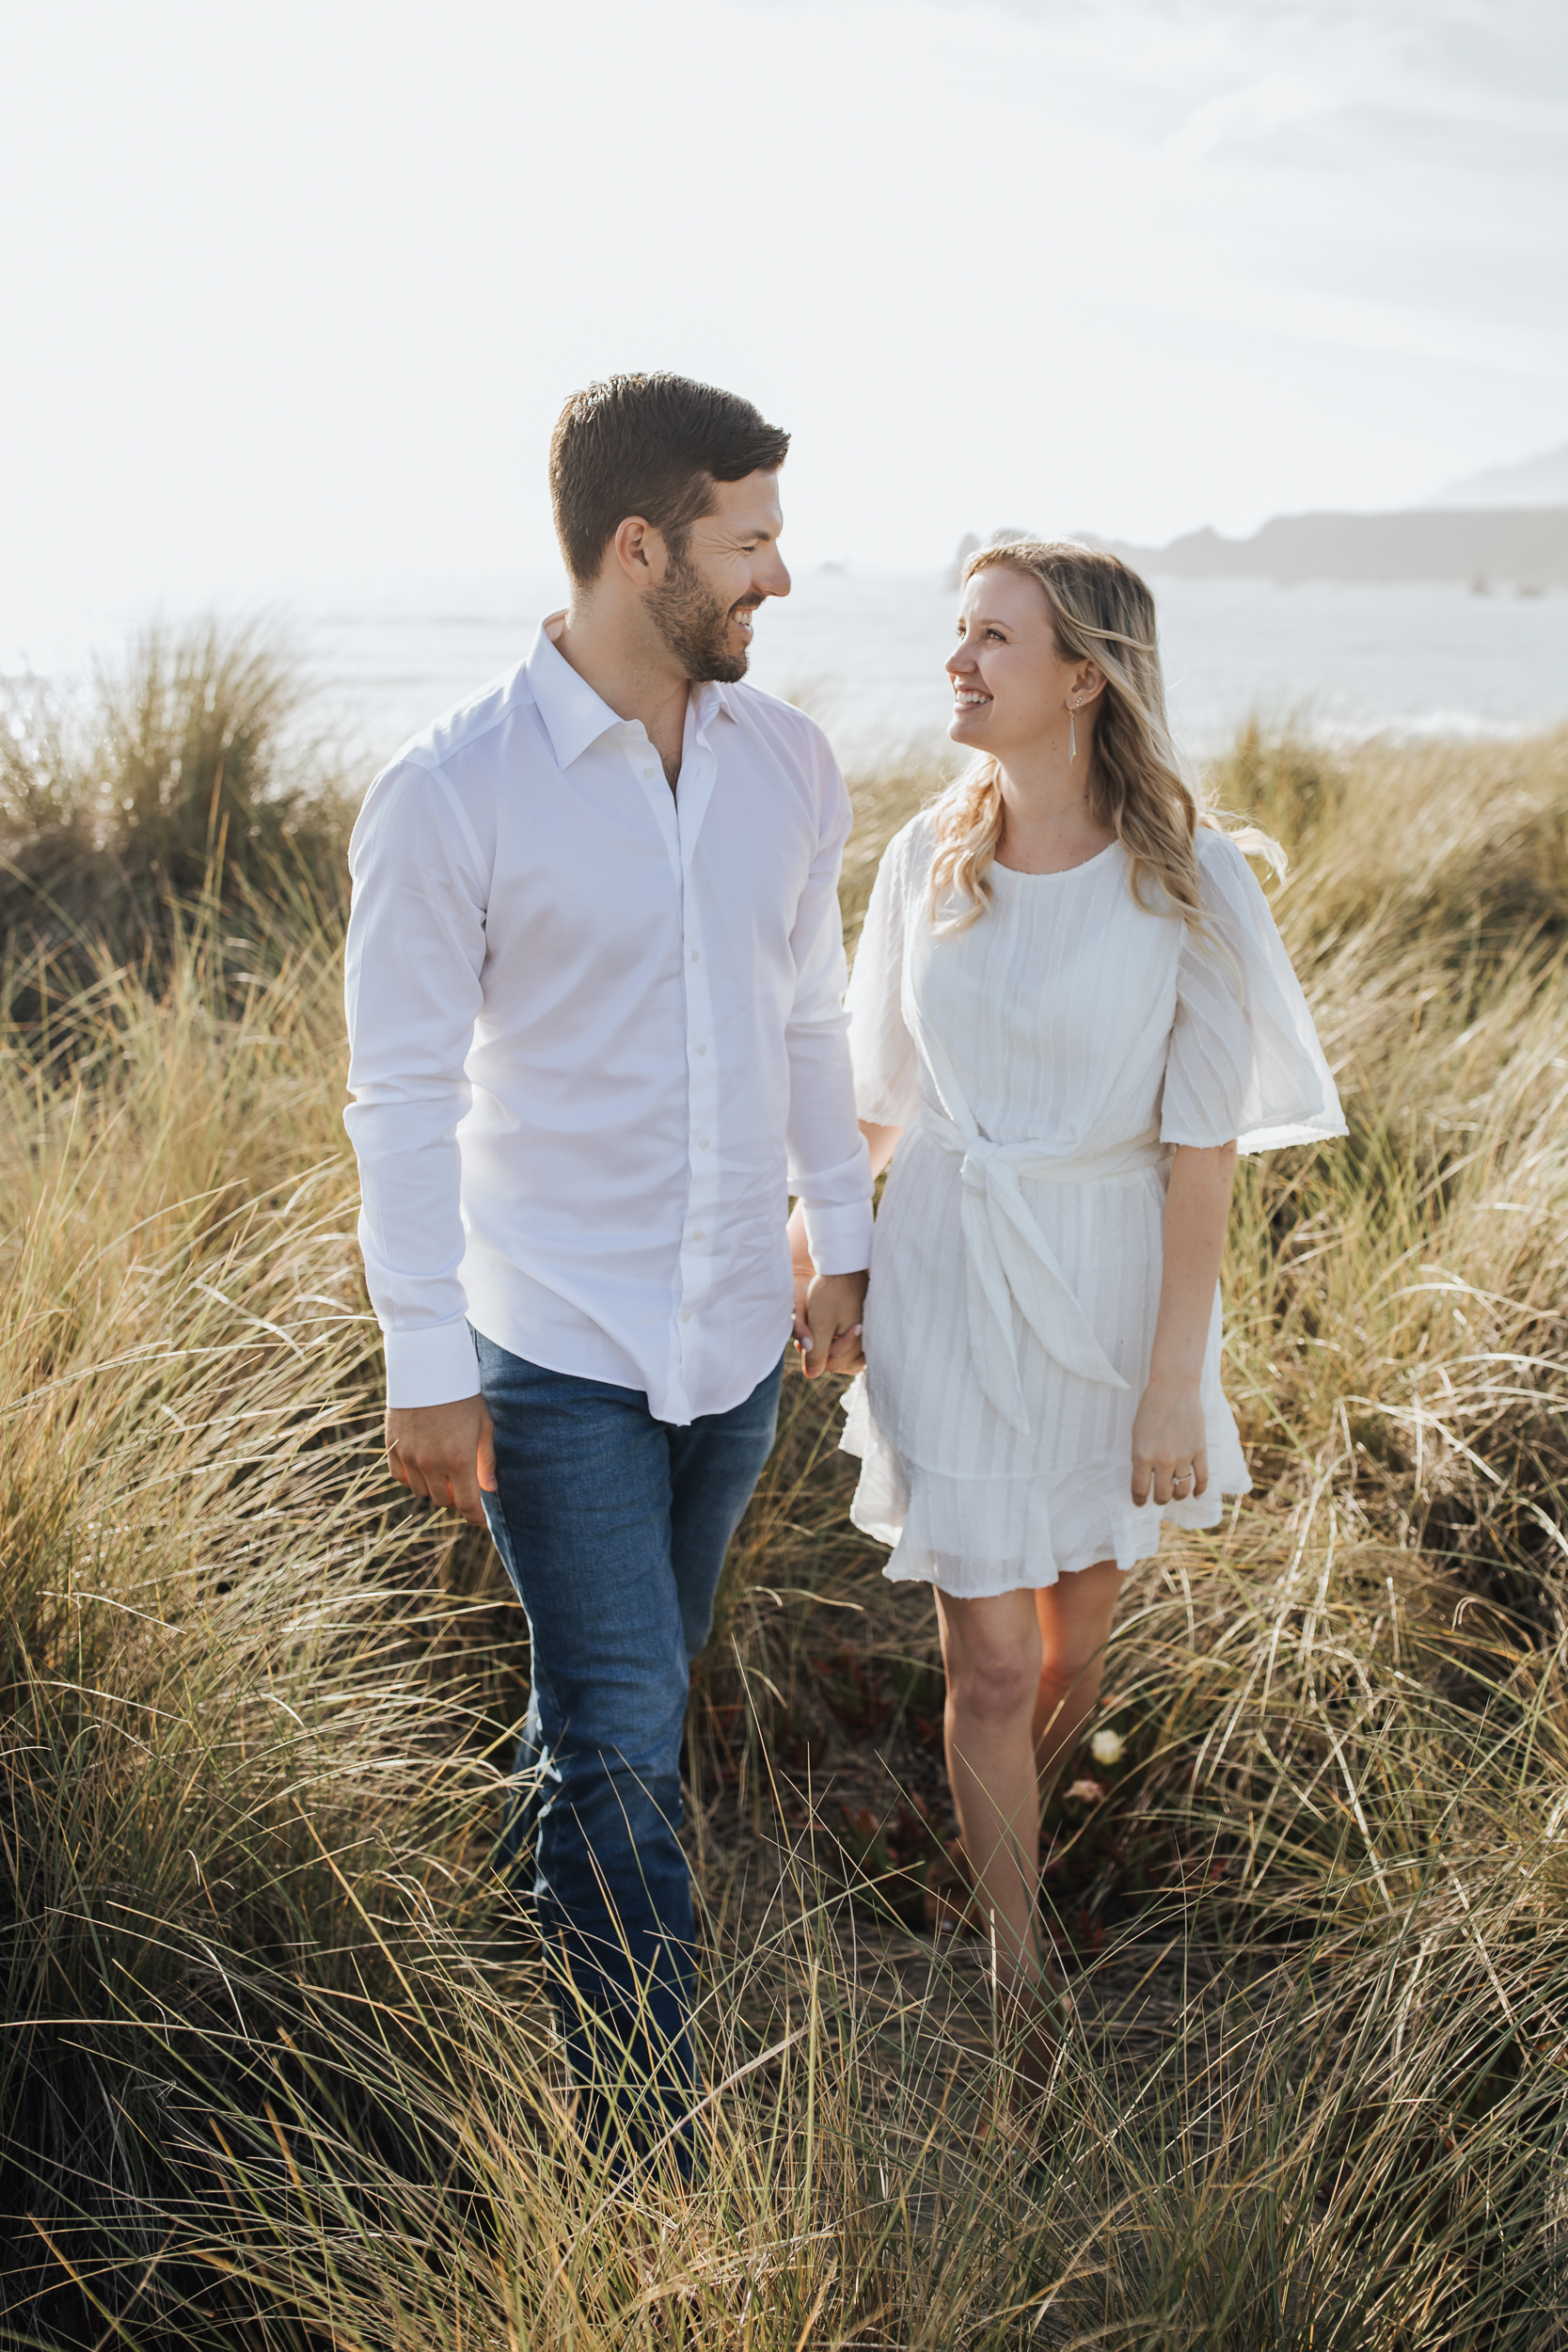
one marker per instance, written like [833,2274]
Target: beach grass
[277,2071]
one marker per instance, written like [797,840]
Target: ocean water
[864,652]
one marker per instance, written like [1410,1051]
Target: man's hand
[828,1325]
[446,1452]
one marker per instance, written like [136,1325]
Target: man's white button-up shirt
[597,1037]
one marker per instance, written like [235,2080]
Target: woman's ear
[1089,680]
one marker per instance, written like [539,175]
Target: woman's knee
[1074,1676]
[1075,1616]
[992,1688]
[991,1651]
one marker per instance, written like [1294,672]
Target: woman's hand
[827,1327]
[828,1310]
[1170,1453]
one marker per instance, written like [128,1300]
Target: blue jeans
[614,1528]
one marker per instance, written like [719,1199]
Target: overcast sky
[294,292]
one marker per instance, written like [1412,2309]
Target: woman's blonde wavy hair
[1101,611]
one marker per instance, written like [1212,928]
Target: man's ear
[639,549]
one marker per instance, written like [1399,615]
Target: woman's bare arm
[1168,1432]
[880,1143]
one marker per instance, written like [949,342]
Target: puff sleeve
[1244,1062]
[887,1083]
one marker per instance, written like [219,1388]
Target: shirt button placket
[643,762]
[702,1104]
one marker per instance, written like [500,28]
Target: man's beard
[695,626]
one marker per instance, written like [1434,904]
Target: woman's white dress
[1042,1064]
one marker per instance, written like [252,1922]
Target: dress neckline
[1061,873]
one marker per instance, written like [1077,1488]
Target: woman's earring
[1071,733]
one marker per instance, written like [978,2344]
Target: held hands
[828,1311]
[446,1452]
[1170,1454]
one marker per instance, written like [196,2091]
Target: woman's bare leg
[991,1651]
[1023,1674]
[1074,1616]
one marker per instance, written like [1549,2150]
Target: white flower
[1107,1747]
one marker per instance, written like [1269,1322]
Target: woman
[1069,1010]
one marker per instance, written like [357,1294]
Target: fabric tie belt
[1010,1260]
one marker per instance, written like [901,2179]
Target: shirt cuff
[839,1239]
[434,1366]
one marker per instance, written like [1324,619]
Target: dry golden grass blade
[276,2067]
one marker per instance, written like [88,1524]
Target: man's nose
[775,580]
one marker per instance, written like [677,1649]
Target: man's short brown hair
[654,446]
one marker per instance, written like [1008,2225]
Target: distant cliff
[1512,547]
[1537,482]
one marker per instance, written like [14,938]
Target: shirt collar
[574,716]
[710,699]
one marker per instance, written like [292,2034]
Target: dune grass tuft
[185,775]
[276,2070]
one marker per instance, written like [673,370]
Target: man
[594,996]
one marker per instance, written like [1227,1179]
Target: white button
[702,1143]
[699,1234]
[649,774]
[686,1314]
[693,955]
[702,1049]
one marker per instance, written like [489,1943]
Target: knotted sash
[1008,1259]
